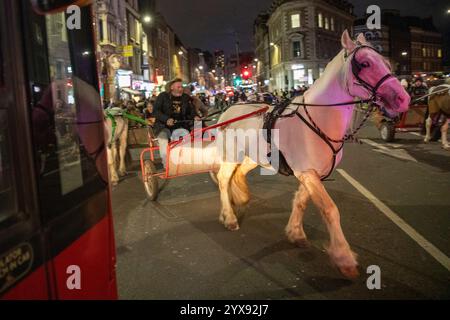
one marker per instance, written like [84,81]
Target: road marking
[416,134]
[421,241]
[396,152]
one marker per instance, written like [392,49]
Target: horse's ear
[347,42]
[361,39]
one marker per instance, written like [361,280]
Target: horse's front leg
[111,152]
[444,130]
[294,229]
[227,216]
[428,124]
[123,151]
[339,250]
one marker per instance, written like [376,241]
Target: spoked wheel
[213,176]
[150,181]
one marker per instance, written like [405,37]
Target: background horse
[345,78]
[439,106]
[116,140]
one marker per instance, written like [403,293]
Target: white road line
[421,241]
[416,134]
[394,151]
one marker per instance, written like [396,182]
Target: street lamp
[147,19]
[272,44]
[180,53]
[256,59]
[200,67]
[404,53]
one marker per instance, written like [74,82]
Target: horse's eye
[365,64]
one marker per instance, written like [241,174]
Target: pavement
[394,204]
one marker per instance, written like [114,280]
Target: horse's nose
[402,102]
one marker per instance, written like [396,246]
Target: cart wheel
[213,176]
[387,131]
[150,181]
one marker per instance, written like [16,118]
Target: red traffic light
[246,73]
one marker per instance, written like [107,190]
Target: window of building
[327,26]
[295,20]
[320,20]
[439,53]
[332,24]
[424,52]
[101,34]
[296,46]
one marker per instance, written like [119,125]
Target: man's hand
[170,122]
[197,118]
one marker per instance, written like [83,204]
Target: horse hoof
[233,226]
[301,243]
[298,241]
[446,147]
[349,272]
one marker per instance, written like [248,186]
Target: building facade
[412,45]
[303,36]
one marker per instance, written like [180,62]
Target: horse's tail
[239,193]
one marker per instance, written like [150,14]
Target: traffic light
[246,73]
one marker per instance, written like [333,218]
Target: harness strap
[114,126]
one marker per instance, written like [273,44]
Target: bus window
[2,61]
[66,112]
[7,193]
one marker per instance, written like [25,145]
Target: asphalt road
[176,248]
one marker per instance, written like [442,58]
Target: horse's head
[369,76]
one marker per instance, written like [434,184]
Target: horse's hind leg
[339,249]
[294,229]
[444,130]
[227,216]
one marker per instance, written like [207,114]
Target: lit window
[424,52]
[332,24]
[327,26]
[320,20]
[439,53]
[295,20]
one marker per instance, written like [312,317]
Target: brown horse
[439,106]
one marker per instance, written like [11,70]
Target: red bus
[56,231]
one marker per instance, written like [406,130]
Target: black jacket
[162,111]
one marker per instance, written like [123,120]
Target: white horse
[439,105]
[346,77]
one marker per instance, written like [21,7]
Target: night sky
[211,24]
